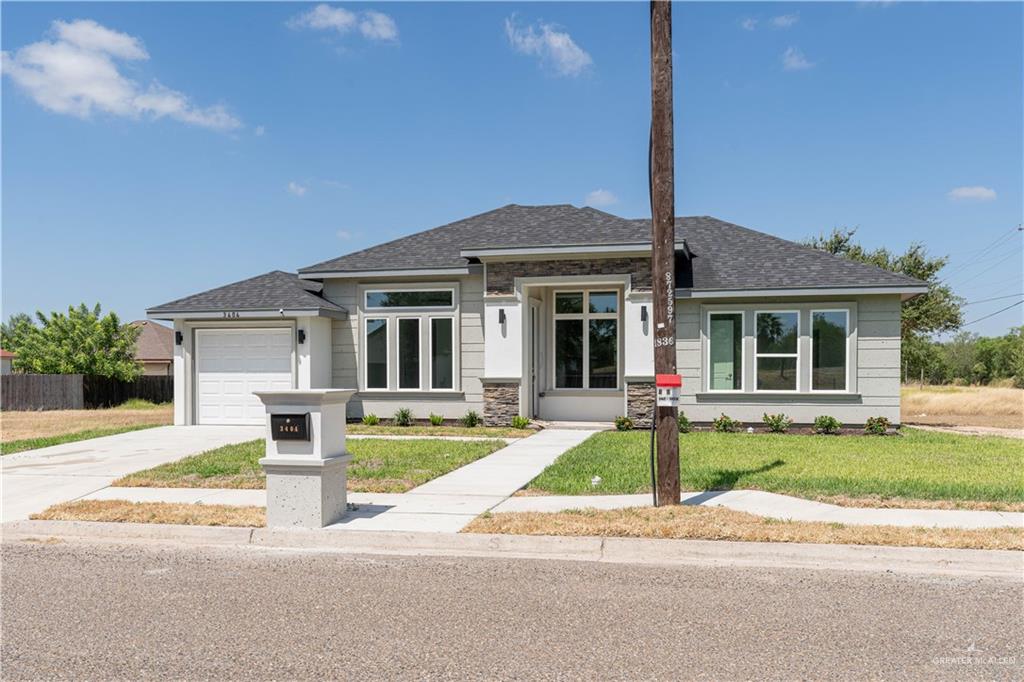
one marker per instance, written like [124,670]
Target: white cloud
[600,197]
[77,73]
[749,24]
[794,60]
[554,47]
[260,131]
[297,189]
[345,235]
[785,20]
[372,25]
[972,193]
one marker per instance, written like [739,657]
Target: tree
[937,311]
[81,342]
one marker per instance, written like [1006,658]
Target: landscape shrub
[876,426]
[371,419]
[827,424]
[471,419]
[436,419]
[623,424]
[777,423]
[684,423]
[520,422]
[726,424]
[403,417]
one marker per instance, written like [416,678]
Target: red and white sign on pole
[668,386]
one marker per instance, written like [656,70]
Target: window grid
[758,355]
[584,317]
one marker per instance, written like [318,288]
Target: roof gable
[270,291]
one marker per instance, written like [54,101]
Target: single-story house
[6,358]
[154,349]
[545,312]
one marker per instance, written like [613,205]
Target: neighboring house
[154,349]
[545,311]
[6,358]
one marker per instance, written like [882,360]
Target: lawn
[384,429]
[378,465]
[918,465]
[27,430]
[1001,407]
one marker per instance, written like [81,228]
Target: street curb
[636,551]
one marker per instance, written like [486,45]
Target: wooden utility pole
[663,218]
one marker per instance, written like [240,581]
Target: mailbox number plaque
[289,426]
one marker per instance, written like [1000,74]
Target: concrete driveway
[34,480]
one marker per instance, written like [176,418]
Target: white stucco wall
[503,343]
[637,343]
[314,356]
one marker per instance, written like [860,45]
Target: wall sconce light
[178,338]
[302,336]
[501,316]
[643,313]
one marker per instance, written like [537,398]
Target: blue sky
[169,148]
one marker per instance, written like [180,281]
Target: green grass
[12,446]
[377,465]
[140,404]
[387,429]
[920,465]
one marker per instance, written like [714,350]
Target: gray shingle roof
[725,256]
[269,291]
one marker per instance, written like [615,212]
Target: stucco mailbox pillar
[306,461]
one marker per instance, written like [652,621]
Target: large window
[725,351]
[411,339]
[586,339]
[777,351]
[376,353]
[829,330]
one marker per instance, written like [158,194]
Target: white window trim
[430,351]
[743,353]
[584,317]
[398,351]
[757,355]
[846,366]
[423,308]
[366,355]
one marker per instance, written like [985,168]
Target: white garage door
[231,364]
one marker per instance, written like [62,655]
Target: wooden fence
[76,391]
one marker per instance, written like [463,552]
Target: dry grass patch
[716,523]
[878,502]
[963,406]
[25,425]
[122,511]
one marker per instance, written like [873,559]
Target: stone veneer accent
[501,276]
[501,403]
[640,402]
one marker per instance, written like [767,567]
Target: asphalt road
[140,612]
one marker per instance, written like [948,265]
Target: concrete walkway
[778,506]
[35,479]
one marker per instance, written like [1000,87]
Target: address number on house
[289,426]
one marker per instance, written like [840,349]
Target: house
[154,349]
[545,311]
[6,358]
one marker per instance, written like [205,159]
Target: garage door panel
[232,364]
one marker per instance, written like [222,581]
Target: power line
[996,298]
[990,267]
[1001,310]
[981,253]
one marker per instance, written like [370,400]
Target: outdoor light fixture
[302,336]
[643,313]
[178,338]
[501,316]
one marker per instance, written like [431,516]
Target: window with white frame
[725,351]
[410,338]
[777,350]
[586,339]
[829,349]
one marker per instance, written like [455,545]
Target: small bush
[403,417]
[726,424]
[623,424]
[827,424]
[777,423]
[371,419]
[684,424]
[436,419]
[471,419]
[876,426]
[520,422]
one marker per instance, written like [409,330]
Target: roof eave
[906,291]
[394,272]
[248,314]
[620,248]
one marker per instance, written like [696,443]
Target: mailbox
[668,386]
[289,426]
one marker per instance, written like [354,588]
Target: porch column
[503,359]
[639,357]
